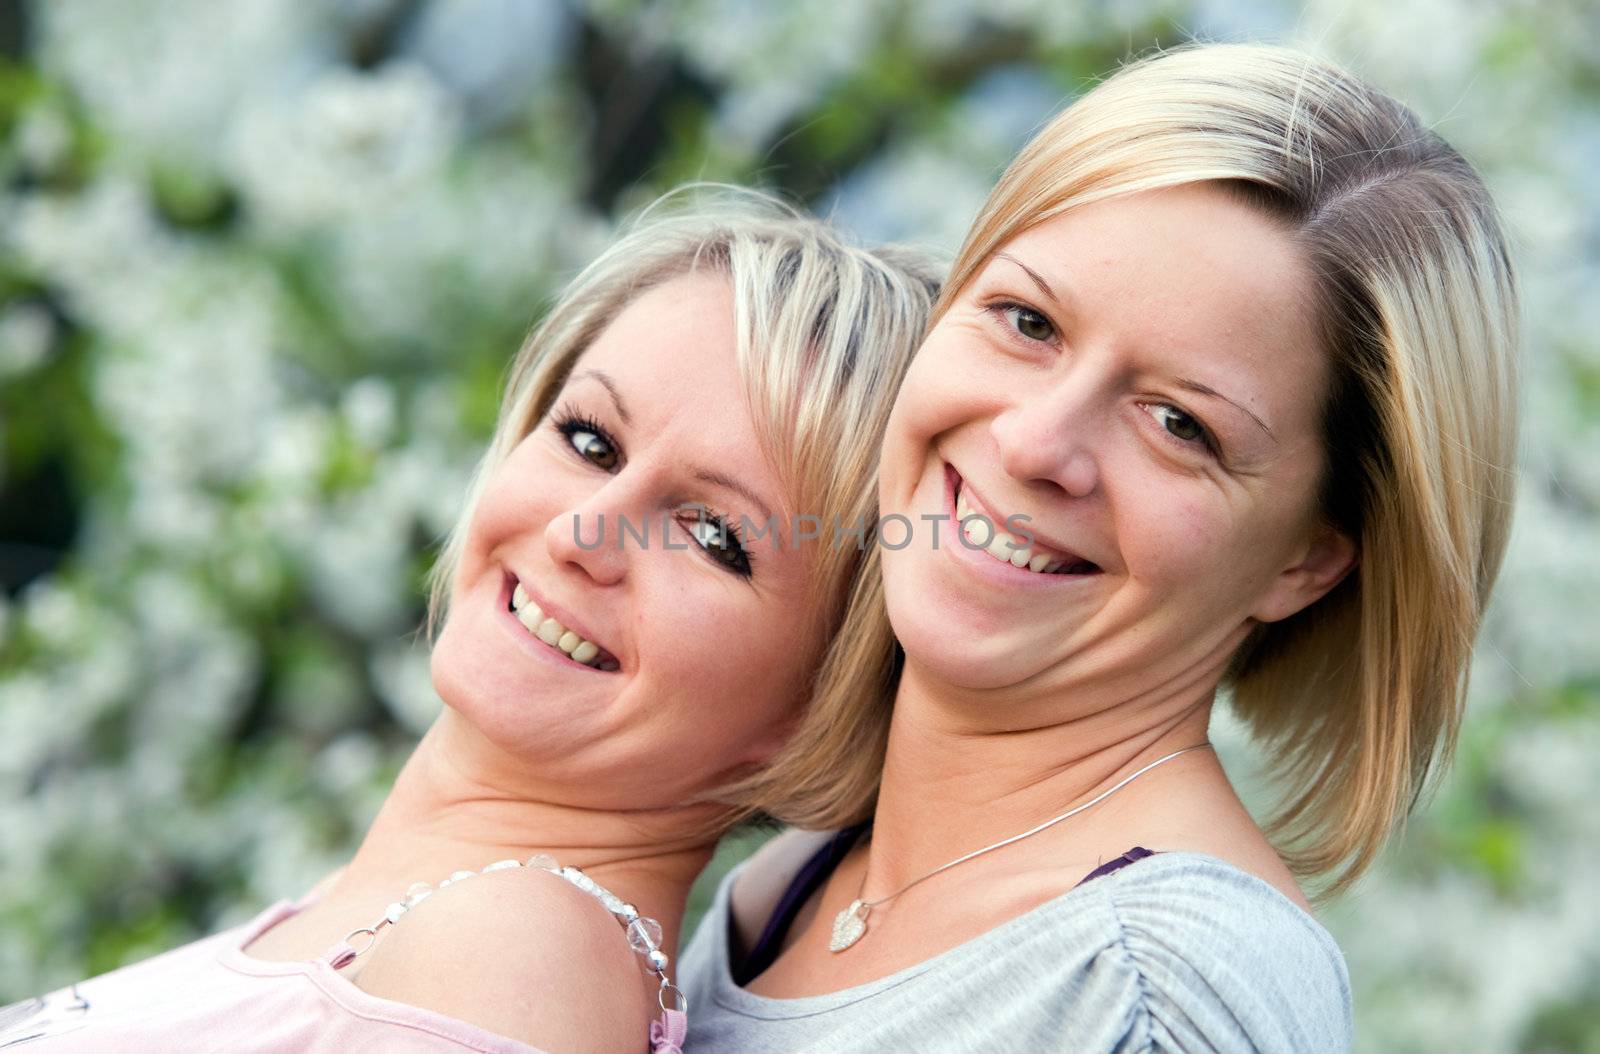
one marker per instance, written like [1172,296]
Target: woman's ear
[1326,557]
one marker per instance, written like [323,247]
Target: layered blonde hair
[825,330]
[1351,698]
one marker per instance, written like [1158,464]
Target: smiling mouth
[557,637]
[1007,548]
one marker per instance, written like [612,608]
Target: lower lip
[533,645]
[987,566]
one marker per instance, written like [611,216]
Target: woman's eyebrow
[1205,389]
[1038,279]
[610,386]
[715,478]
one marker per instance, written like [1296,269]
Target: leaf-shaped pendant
[848,926]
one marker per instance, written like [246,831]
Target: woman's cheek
[1162,531]
[911,410]
[926,407]
[1176,538]
[691,632]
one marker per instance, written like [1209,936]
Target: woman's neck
[457,805]
[960,775]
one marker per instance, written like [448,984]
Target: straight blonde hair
[1354,696]
[825,331]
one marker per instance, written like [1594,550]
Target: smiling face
[692,646]
[1065,384]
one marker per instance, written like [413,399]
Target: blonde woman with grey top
[1222,393]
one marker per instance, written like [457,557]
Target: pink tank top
[211,996]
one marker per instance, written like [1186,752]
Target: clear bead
[417,891]
[502,865]
[394,911]
[544,862]
[644,934]
[581,880]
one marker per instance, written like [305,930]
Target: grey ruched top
[1175,951]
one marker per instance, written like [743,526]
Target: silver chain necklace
[851,923]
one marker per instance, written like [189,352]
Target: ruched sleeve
[1225,962]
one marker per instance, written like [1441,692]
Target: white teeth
[1001,544]
[530,616]
[552,632]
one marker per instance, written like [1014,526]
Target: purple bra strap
[746,968]
[1138,852]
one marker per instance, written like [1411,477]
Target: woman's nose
[587,536]
[1047,437]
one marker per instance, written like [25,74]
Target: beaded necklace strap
[643,933]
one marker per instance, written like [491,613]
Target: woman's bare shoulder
[326,882]
[519,953]
[1212,820]
[1248,850]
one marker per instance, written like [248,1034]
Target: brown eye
[586,438]
[1182,427]
[714,540]
[720,539]
[1029,323]
[595,448]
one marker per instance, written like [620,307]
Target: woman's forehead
[668,360]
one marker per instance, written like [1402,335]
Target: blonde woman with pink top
[616,663]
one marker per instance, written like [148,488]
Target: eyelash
[730,531]
[1000,308]
[567,421]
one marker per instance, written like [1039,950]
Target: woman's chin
[521,714]
[962,658]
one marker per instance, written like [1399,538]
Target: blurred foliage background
[262,264]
